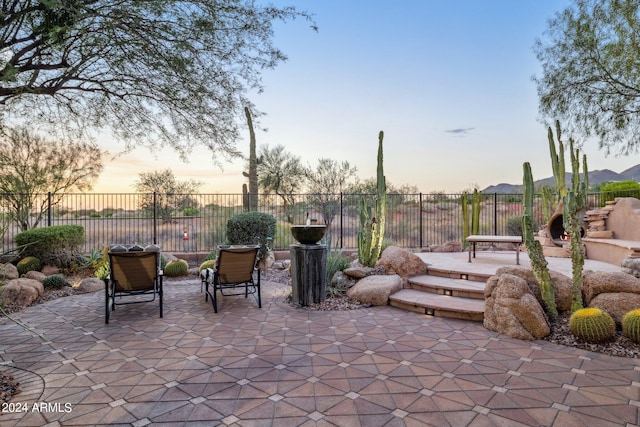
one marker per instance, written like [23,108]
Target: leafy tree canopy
[590,56]
[160,190]
[151,73]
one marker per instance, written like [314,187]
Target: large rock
[512,309]
[91,284]
[375,290]
[400,261]
[616,304]
[22,292]
[603,282]
[561,285]
[450,246]
[358,272]
[35,275]
[8,271]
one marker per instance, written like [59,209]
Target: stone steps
[444,293]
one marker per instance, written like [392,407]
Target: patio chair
[134,271]
[233,274]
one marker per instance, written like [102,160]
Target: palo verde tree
[162,191]
[282,173]
[590,80]
[150,73]
[32,167]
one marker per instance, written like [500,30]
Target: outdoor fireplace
[556,231]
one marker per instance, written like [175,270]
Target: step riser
[458,275]
[438,312]
[446,291]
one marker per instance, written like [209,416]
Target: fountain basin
[308,234]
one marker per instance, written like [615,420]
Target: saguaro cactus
[574,201]
[534,248]
[371,230]
[251,198]
[474,227]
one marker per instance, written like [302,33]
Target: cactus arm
[534,249]
[475,211]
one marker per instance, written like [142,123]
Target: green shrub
[58,245]
[191,211]
[55,282]
[513,226]
[175,268]
[631,325]
[252,228]
[611,190]
[592,325]
[29,263]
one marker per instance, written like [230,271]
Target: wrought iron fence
[197,222]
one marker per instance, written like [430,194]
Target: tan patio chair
[233,274]
[134,271]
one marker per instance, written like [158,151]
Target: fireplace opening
[558,234]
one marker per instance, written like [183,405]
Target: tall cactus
[534,248]
[251,199]
[371,230]
[574,201]
[475,211]
[464,201]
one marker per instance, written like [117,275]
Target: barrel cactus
[592,325]
[631,325]
[207,264]
[175,268]
[29,263]
[55,282]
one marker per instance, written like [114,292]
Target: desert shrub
[175,268]
[513,226]
[592,325]
[191,211]
[55,282]
[29,263]
[58,245]
[611,190]
[252,228]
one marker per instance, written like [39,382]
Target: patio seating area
[286,366]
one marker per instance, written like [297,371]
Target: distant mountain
[595,177]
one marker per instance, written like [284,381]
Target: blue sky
[448,81]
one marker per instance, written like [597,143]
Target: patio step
[448,286]
[452,294]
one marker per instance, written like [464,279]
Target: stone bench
[478,238]
[611,251]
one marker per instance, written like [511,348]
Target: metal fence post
[341,224]
[495,214]
[420,219]
[155,219]
[49,216]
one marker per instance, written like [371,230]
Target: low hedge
[58,244]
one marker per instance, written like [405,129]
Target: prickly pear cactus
[592,325]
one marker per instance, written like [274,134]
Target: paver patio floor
[283,366]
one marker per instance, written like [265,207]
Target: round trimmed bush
[55,282]
[29,263]
[631,325]
[592,325]
[175,268]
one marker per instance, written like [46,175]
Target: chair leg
[107,312]
[214,297]
[160,293]
[258,290]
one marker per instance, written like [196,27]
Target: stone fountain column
[308,271]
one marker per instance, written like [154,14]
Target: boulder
[22,292]
[91,284]
[35,275]
[561,285]
[603,282]
[512,309]
[358,272]
[8,271]
[616,304]
[50,270]
[631,266]
[400,261]
[450,246]
[375,290]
